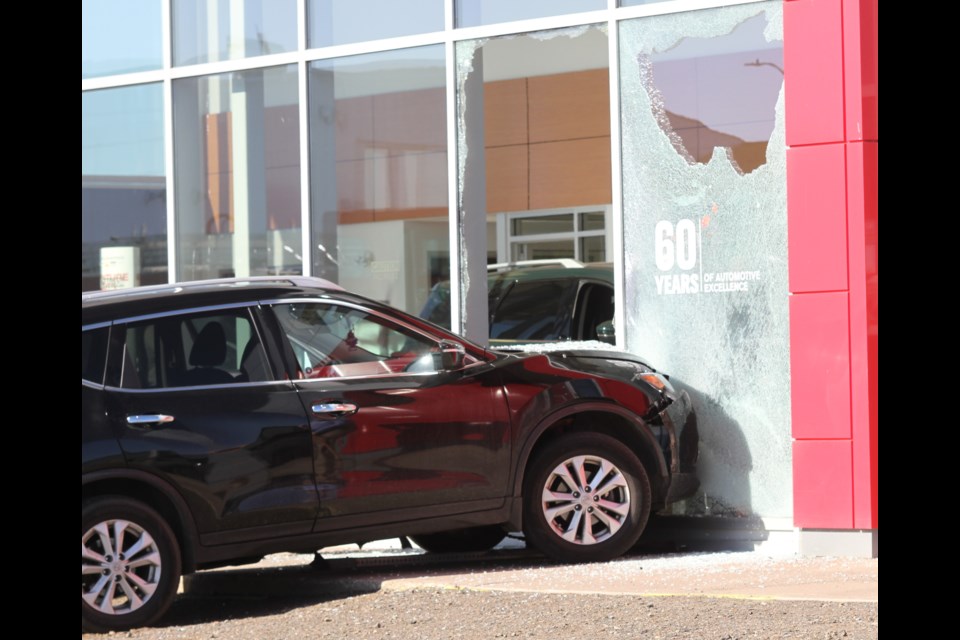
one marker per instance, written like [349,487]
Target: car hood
[591,349]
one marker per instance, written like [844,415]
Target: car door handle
[334,408]
[149,418]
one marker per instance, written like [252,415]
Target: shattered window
[705,238]
[713,93]
[533,146]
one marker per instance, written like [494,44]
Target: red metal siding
[831,75]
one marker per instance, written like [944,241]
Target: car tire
[461,540]
[130,564]
[586,498]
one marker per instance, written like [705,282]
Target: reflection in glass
[379,174]
[236,142]
[712,97]
[122,188]
[527,226]
[120,36]
[215,30]
[332,22]
[592,221]
[593,249]
[542,250]
[471,13]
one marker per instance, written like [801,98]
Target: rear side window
[202,349]
[94,354]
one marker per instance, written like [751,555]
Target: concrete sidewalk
[385,566]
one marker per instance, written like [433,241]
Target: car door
[196,403]
[594,307]
[396,437]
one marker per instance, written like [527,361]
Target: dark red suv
[225,420]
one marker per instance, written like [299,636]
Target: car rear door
[196,403]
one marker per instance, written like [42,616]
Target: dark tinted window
[201,349]
[533,311]
[594,307]
[94,354]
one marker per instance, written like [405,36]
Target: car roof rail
[295,281]
[566,263]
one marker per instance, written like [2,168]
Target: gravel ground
[447,615]
[389,603]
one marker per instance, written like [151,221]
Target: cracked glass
[705,238]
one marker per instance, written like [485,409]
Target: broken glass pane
[705,230]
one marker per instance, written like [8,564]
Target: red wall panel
[813,68]
[816,223]
[860,23]
[862,170]
[820,366]
[822,475]
[831,73]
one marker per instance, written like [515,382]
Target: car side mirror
[452,355]
[607,332]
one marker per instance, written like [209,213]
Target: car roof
[99,306]
[598,271]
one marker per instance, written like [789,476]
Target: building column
[831,60]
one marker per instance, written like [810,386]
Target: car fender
[158,493]
[641,430]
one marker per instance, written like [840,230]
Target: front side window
[334,341]
[202,349]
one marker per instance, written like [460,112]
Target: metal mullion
[615,232]
[676,6]
[168,155]
[124,80]
[453,171]
[533,24]
[241,64]
[303,111]
[376,46]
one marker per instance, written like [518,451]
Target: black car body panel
[264,415]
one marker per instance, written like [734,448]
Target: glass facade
[471,13]
[401,149]
[332,22]
[120,36]
[123,189]
[705,237]
[378,183]
[238,174]
[215,30]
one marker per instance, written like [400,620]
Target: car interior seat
[207,354]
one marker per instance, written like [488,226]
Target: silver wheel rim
[120,566]
[586,500]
